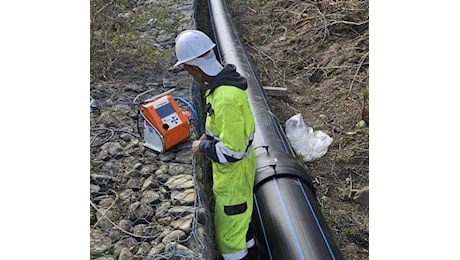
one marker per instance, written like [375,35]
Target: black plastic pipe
[287,217]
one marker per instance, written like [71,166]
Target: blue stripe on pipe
[316,219]
[263,227]
[288,218]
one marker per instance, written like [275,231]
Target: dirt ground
[318,51]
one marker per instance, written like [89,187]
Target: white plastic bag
[306,142]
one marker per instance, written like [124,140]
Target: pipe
[287,218]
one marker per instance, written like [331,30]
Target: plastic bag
[312,145]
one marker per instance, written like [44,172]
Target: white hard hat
[191,44]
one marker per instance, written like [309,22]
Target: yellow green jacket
[230,121]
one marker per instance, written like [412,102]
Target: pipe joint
[280,165]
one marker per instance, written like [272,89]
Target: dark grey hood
[228,76]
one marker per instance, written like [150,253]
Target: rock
[144,249]
[156,250]
[184,224]
[126,137]
[126,225]
[134,183]
[126,194]
[107,210]
[99,242]
[139,210]
[162,173]
[163,208]
[162,170]
[165,231]
[94,188]
[110,169]
[124,243]
[362,196]
[166,82]
[165,221]
[144,230]
[184,156]
[134,145]
[150,197]
[114,234]
[350,250]
[181,181]
[113,149]
[125,254]
[167,157]
[181,210]
[105,258]
[148,170]
[179,248]
[179,168]
[174,236]
[187,197]
[137,166]
[150,183]
[138,230]
[133,173]
[162,178]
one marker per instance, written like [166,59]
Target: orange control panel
[168,119]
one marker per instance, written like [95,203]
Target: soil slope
[319,52]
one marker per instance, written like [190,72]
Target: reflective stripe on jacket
[229,125]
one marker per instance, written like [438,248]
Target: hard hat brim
[207,63]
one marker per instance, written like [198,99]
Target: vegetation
[118,37]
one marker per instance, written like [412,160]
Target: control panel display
[167,114]
[165,110]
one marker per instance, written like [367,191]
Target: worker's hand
[195,150]
[203,137]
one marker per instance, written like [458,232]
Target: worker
[227,142]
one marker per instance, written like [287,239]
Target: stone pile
[145,204]
[154,210]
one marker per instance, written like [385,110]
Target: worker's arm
[228,144]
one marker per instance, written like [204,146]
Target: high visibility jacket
[230,131]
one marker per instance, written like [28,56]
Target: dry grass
[319,51]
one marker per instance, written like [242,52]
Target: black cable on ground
[112,134]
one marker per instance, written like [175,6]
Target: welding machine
[165,124]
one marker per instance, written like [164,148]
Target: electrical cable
[154,97]
[112,134]
[189,105]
